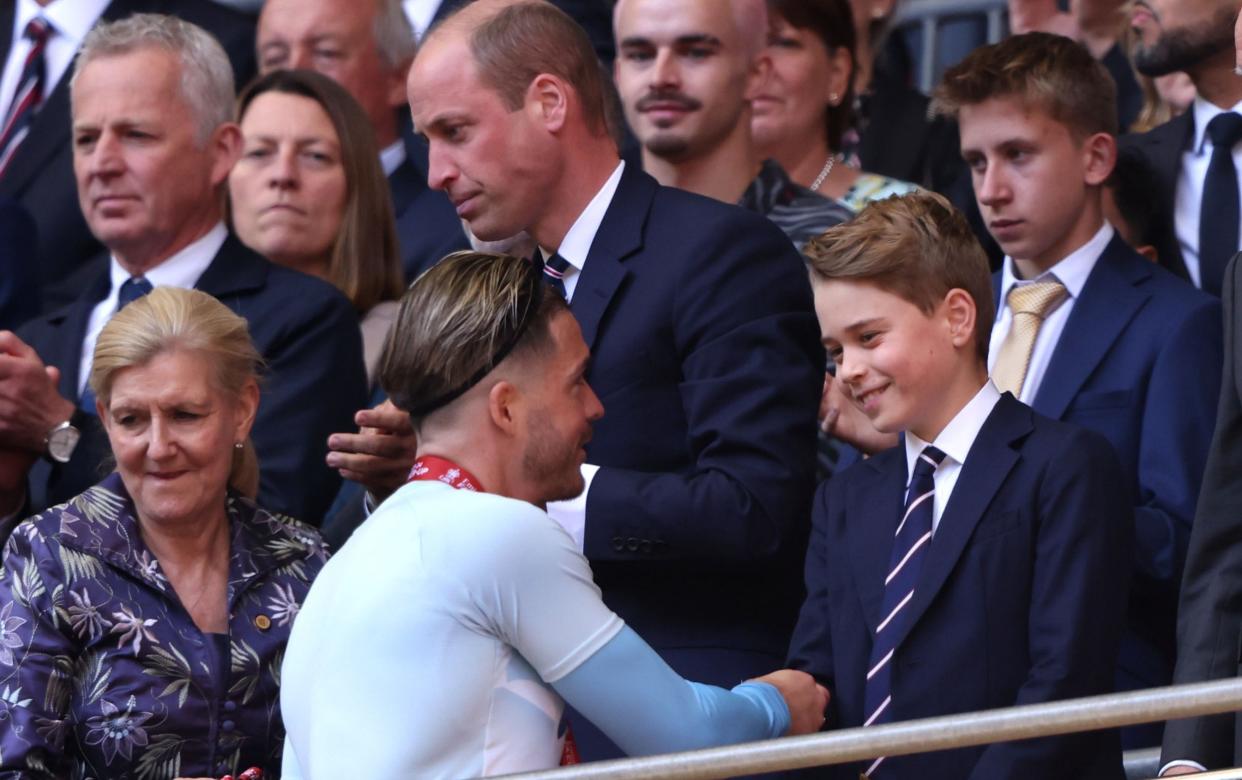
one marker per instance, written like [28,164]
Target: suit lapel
[988,463]
[65,351]
[619,236]
[874,506]
[234,269]
[1108,302]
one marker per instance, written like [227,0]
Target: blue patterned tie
[1219,209]
[554,269]
[29,94]
[131,290]
[910,545]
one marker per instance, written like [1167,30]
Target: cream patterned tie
[1029,304]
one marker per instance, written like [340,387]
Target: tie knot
[1225,130]
[557,264]
[1037,298]
[131,290]
[38,30]
[929,460]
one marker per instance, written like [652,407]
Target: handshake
[805,698]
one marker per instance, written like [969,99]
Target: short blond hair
[917,247]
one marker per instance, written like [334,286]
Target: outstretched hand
[806,699]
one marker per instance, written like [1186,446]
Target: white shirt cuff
[1182,762]
[571,514]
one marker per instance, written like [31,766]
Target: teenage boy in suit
[966,568]
[1088,331]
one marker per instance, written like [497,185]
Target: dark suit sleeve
[810,648]
[1210,612]
[1174,447]
[1078,597]
[315,383]
[752,368]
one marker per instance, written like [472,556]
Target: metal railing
[930,15]
[922,736]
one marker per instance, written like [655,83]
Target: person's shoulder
[1064,446]
[1170,295]
[835,491]
[279,532]
[1174,131]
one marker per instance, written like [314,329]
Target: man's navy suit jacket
[314,381]
[706,356]
[1018,601]
[1139,361]
[40,175]
[1161,148]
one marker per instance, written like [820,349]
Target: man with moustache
[1210,611]
[1196,156]
[687,73]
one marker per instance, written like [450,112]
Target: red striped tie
[29,95]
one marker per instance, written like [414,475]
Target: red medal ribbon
[435,468]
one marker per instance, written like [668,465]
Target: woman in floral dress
[143,623]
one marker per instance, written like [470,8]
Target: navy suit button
[228,725]
[646,546]
[631,544]
[230,706]
[618,543]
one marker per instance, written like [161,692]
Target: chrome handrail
[921,736]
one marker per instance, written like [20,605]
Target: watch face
[60,443]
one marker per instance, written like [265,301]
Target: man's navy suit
[313,383]
[40,175]
[1139,361]
[1162,148]
[706,356]
[1013,605]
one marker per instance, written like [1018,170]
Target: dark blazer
[1209,625]
[40,175]
[1162,148]
[19,264]
[706,356]
[428,227]
[1013,604]
[1139,362]
[315,380]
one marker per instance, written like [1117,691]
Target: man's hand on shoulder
[805,698]
[380,454]
[840,417]
[30,403]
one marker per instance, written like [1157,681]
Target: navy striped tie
[910,545]
[554,269]
[29,95]
[131,290]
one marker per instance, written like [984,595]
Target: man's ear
[547,100]
[504,407]
[226,147]
[1099,158]
[961,316]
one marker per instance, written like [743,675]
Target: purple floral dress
[102,672]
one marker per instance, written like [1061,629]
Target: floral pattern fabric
[103,673]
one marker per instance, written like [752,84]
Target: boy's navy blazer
[1012,606]
[314,381]
[706,356]
[1139,361]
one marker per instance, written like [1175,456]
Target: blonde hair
[172,318]
[917,247]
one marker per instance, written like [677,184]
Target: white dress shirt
[181,270]
[420,13]
[1190,179]
[71,20]
[574,248]
[1072,272]
[955,442]
[392,156]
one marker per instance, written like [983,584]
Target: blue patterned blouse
[103,674]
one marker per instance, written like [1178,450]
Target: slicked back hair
[1041,70]
[917,247]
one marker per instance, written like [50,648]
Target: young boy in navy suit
[972,566]
[1088,331]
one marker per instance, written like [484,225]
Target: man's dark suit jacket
[1139,362]
[1209,625]
[706,356]
[40,175]
[314,381]
[19,291]
[1161,148]
[1014,604]
[428,227]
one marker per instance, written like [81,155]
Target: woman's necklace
[823,172]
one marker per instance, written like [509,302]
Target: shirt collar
[392,156]
[577,242]
[959,435]
[182,269]
[1071,272]
[72,20]
[1204,112]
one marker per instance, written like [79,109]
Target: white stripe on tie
[913,549]
[878,710]
[880,665]
[910,509]
[896,609]
[875,765]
